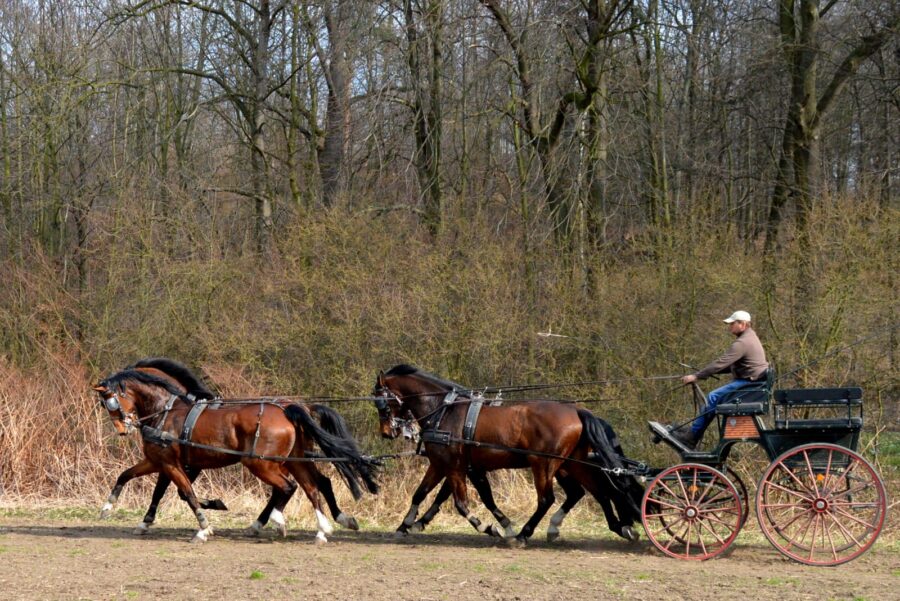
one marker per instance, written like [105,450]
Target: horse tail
[332,421]
[607,449]
[594,432]
[352,465]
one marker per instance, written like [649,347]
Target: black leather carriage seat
[752,399]
[835,399]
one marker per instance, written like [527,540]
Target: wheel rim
[821,504]
[691,511]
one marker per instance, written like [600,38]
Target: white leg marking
[255,528]
[324,523]
[555,521]
[202,535]
[278,522]
[106,509]
[320,537]
[411,516]
[142,528]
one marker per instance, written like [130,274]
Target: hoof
[552,536]
[417,527]
[201,537]
[347,521]
[254,529]
[143,528]
[630,534]
[494,531]
[105,513]
[400,533]
[320,538]
[516,543]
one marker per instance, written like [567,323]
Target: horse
[269,439]
[193,388]
[548,437]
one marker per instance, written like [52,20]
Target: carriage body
[818,502]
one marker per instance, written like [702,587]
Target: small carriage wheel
[821,504]
[743,494]
[691,511]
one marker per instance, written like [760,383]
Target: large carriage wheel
[821,504]
[743,493]
[691,511]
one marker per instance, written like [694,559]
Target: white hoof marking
[324,523]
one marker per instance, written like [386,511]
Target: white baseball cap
[738,316]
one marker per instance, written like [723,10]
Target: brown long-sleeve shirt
[745,359]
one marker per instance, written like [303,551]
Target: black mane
[404,369]
[117,381]
[180,373]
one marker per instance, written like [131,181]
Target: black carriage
[818,502]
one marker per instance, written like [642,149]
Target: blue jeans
[712,399]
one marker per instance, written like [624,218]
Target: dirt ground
[48,557]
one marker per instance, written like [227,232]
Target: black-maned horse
[248,433]
[193,389]
[552,439]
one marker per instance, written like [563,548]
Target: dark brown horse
[193,389]
[267,438]
[548,437]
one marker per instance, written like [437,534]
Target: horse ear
[100,388]
[380,377]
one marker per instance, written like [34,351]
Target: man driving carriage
[745,359]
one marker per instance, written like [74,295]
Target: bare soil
[48,557]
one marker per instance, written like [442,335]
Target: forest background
[290,196]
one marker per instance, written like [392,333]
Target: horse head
[404,395]
[131,395]
[120,406]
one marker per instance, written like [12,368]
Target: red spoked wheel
[742,493]
[821,504]
[692,511]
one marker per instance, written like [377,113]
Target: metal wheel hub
[820,505]
[691,513]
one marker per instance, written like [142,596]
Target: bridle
[407,427]
[113,405]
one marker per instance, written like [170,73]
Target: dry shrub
[345,294]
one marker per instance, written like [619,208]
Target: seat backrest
[752,399]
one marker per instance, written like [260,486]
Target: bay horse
[193,389]
[548,437]
[265,437]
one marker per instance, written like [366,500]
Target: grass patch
[256,575]
[776,581]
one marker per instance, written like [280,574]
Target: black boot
[685,436]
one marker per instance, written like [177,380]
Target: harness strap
[187,430]
[472,418]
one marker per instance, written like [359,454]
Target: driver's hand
[690,379]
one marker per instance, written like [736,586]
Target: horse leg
[626,494]
[574,493]
[429,481]
[308,481]
[282,490]
[460,501]
[323,483]
[483,486]
[183,482]
[443,494]
[602,488]
[543,485]
[263,518]
[162,483]
[142,468]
